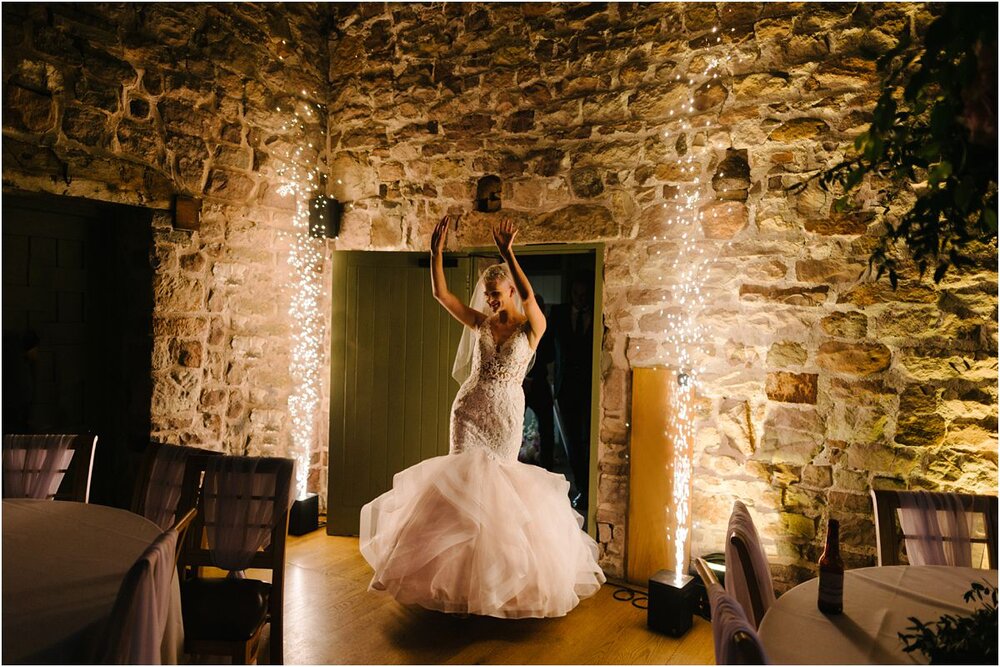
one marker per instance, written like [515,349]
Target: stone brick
[854,358]
[840,224]
[791,387]
[798,129]
[793,296]
[27,110]
[828,271]
[845,324]
[86,125]
[229,185]
[919,424]
[785,354]
[723,220]
[798,527]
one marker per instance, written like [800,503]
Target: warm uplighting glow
[305,260]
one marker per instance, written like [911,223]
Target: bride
[477,532]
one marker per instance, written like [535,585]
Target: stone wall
[816,384]
[136,103]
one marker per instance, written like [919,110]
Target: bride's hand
[503,235]
[440,236]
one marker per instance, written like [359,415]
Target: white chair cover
[139,618]
[741,525]
[34,465]
[165,482]
[728,618]
[927,520]
[240,509]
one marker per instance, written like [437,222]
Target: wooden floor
[331,618]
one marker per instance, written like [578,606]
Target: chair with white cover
[242,523]
[748,575]
[936,528]
[736,640]
[135,629]
[159,488]
[47,466]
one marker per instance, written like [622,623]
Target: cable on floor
[639,599]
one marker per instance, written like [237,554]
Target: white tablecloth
[63,563]
[878,602]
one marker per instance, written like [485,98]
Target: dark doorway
[77,329]
[559,387]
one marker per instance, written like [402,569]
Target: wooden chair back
[196,553]
[155,470]
[889,536]
[76,471]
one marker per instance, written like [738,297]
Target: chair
[748,575]
[736,640]
[242,523]
[160,485]
[50,466]
[135,629]
[935,527]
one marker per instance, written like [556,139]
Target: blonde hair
[495,273]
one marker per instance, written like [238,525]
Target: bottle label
[831,588]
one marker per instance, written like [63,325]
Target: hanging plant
[931,146]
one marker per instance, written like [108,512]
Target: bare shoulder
[478,319]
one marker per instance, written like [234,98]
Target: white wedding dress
[476,531]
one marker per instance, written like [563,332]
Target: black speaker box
[670,603]
[304,516]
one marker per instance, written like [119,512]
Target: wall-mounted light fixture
[324,217]
[187,213]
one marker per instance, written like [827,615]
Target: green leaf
[939,172]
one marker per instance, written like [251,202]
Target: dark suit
[538,397]
[573,332]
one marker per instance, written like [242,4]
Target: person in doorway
[573,333]
[477,532]
[538,395]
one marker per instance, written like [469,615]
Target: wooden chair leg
[277,644]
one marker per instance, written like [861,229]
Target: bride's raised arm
[439,286]
[503,235]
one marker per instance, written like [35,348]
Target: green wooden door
[391,352]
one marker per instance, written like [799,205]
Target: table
[878,602]
[63,563]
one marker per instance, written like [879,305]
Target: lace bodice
[488,412]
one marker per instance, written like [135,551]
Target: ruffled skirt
[465,533]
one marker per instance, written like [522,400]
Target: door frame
[597,248]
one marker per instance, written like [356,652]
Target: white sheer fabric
[462,367]
[936,529]
[737,584]
[34,465]
[139,618]
[165,482]
[240,507]
[728,619]
[476,531]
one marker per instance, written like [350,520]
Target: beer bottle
[831,573]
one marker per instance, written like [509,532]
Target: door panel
[391,388]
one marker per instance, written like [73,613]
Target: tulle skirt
[465,533]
